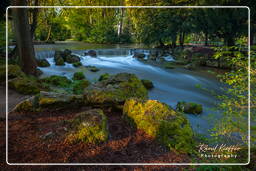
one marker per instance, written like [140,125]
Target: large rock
[78,76]
[43,63]
[91,53]
[50,100]
[139,55]
[88,127]
[24,85]
[115,90]
[72,59]
[189,107]
[161,122]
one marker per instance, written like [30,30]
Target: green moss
[115,90]
[78,76]
[43,63]
[26,106]
[77,64]
[79,86]
[24,85]
[88,127]
[72,59]
[104,77]
[148,84]
[189,107]
[56,80]
[161,122]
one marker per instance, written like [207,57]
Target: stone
[24,85]
[139,55]
[79,86]
[189,107]
[92,53]
[147,84]
[43,63]
[115,90]
[77,64]
[78,76]
[88,126]
[72,59]
[104,77]
[56,80]
[161,122]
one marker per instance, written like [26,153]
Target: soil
[40,138]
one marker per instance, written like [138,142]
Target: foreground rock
[189,107]
[88,127]
[92,68]
[139,55]
[161,122]
[115,90]
[49,100]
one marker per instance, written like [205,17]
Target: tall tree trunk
[181,39]
[120,24]
[23,38]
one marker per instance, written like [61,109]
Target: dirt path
[13,99]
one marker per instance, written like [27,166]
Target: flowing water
[171,85]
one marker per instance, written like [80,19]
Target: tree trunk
[23,38]
[181,39]
[252,37]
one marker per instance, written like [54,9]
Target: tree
[23,38]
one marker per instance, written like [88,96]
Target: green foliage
[189,107]
[104,77]
[79,86]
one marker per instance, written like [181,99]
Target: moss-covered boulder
[169,65]
[59,61]
[88,127]
[191,66]
[79,86]
[78,76]
[115,90]
[56,80]
[72,59]
[189,107]
[77,64]
[24,85]
[161,122]
[43,63]
[50,101]
[92,68]
[104,77]
[147,84]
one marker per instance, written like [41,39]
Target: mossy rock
[139,55]
[56,80]
[43,63]
[59,61]
[104,77]
[161,122]
[189,107]
[72,59]
[79,86]
[24,85]
[77,64]
[91,53]
[180,62]
[88,127]
[78,76]
[115,90]
[14,71]
[147,84]
[191,66]
[92,68]
[51,100]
